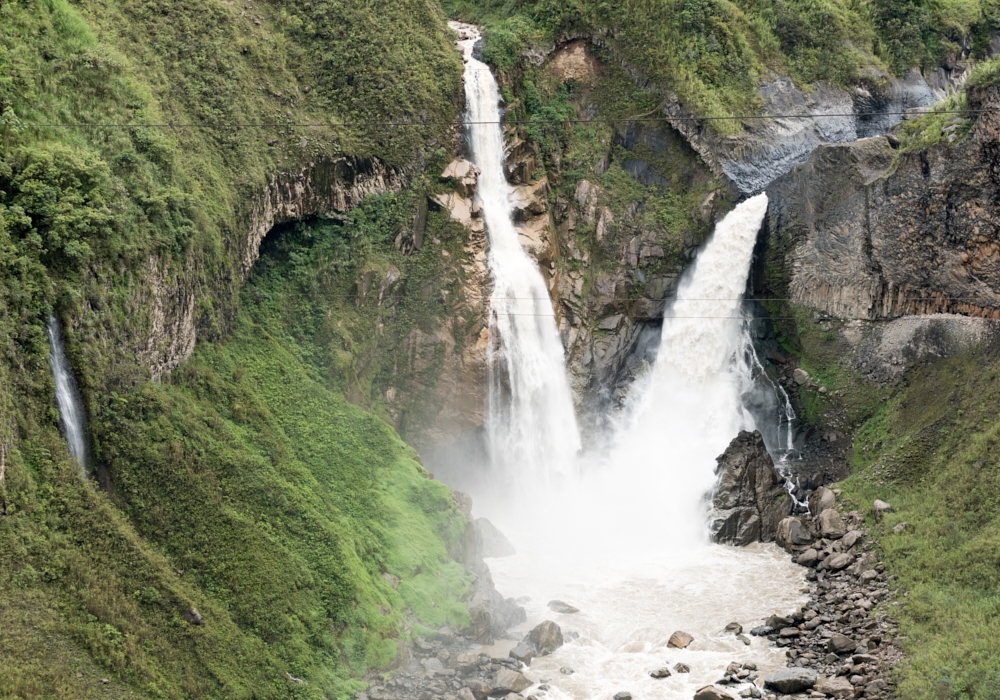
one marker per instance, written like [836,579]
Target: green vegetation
[712,53]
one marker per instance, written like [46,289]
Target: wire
[518,122]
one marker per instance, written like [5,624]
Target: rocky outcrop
[749,500]
[864,235]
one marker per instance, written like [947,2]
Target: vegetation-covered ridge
[713,53]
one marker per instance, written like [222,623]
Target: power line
[517,122]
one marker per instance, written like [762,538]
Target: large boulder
[710,692]
[749,499]
[831,525]
[507,680]
[545,638]
[821,499]
[791,680]
[792,534]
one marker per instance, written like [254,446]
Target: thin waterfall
[531,424]
[71,416]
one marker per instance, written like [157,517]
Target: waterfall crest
[531,423]
[71,417]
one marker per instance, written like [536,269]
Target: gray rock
[800,376]
[490,541]
[791,680]
[660,673]
[734,628]
[791,533]
[808,557]
[831,525]
[840,644]
[561,607]
[523,652]
[778,621]
[749,499]
[821,499]
[744,639]
[761,630]
[507,680]
[710,692]
[851,538]
[880,508]
[682,668]
[545,638]
[836,562]
[835,687]
[566,671]
[679,640]
[875,687]
[900,527]
[623,695]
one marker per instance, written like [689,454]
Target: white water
[623,537]
[531,423]
[70,412]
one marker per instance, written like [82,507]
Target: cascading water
[532,426]
[71,415]
[622,537]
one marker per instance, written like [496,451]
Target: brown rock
[508,681]
[479,689]
[831,525]
[710,692]
[680,640]
[792,533]
[835,687]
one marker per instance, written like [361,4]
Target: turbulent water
[67,401]
[532,427]
[622,535]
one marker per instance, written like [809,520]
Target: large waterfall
[622,534]
[532,426]
[71,415]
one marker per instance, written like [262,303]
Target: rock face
[749,500]
[870,238]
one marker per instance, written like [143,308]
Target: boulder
[880,508]
[851,538]
[779,621]
[840,644]
[792,533]
[490,541]
[561,607]
[680,640]
[465,661]
[523,652]
[800,376]
[479,689]
[623,695]
[835,687]
[791,680]
[807,558]
[821,499]
[836,562]
[660,673]
[831,525]
[710,692]
[749,499]
[545,638]
[682,668]
[507,680]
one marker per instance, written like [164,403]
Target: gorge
[282,282]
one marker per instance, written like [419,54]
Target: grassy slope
[929,446]
[282,519]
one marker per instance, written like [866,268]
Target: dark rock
[710,692]
[840,644]
[192,616]
[545,638]
[851,538]
[761,630]
[490,541]
[791,533]
[807,558]
[880,508]
[660,673]
[743,639]
[509,681]
[561,607]
[779,621]
[749,499]
[623,695]
[791,680]
[463,501]
[682,668]
[566,671]
[679,640]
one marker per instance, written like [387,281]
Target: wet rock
[432,665]
[750,498]
[523,652]
[776,622]
[566,671]
[761,630]
[490,541]
[561,607]
[840,644]
[791,680]
[623,695]
[660,673]
[835,687]
[808,558]
[831,525]
[682,668]
[821,499]
[751,692]
[679,640]
[734,628]
[791,533]
[710,692]
[545,638]
[869,575]
[479,689]
[507,680]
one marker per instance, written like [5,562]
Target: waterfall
[71,417]
[531,423]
